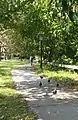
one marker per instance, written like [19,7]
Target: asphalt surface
[61,106]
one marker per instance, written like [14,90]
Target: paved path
[62,106]
[74,67]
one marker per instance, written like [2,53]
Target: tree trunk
[0,53]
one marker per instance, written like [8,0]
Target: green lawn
[11,105]
[64,76]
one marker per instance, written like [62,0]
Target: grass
[11,105]
[64,76]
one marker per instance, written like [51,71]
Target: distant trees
[55,20]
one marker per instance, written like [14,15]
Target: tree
[51,19]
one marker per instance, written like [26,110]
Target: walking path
[74,67]
[62,106]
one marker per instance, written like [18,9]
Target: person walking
[31,60]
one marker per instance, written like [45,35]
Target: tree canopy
[55,20]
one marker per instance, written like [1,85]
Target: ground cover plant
[67,76]
[11,105]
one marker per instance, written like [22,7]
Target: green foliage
[55,20]
[5,72]
[14,108]
[66,77]
[12,105]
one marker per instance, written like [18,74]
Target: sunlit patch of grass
[5,71]
[11,106]
[64,76]
[4,91]
[60,74]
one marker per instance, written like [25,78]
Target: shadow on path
[41,99]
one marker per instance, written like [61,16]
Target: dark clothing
[31,60]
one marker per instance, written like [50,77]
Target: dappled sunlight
[64,95]
[7,92]
[60,74]
[11,106]
[41,100]
[45,94]
[28,85]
